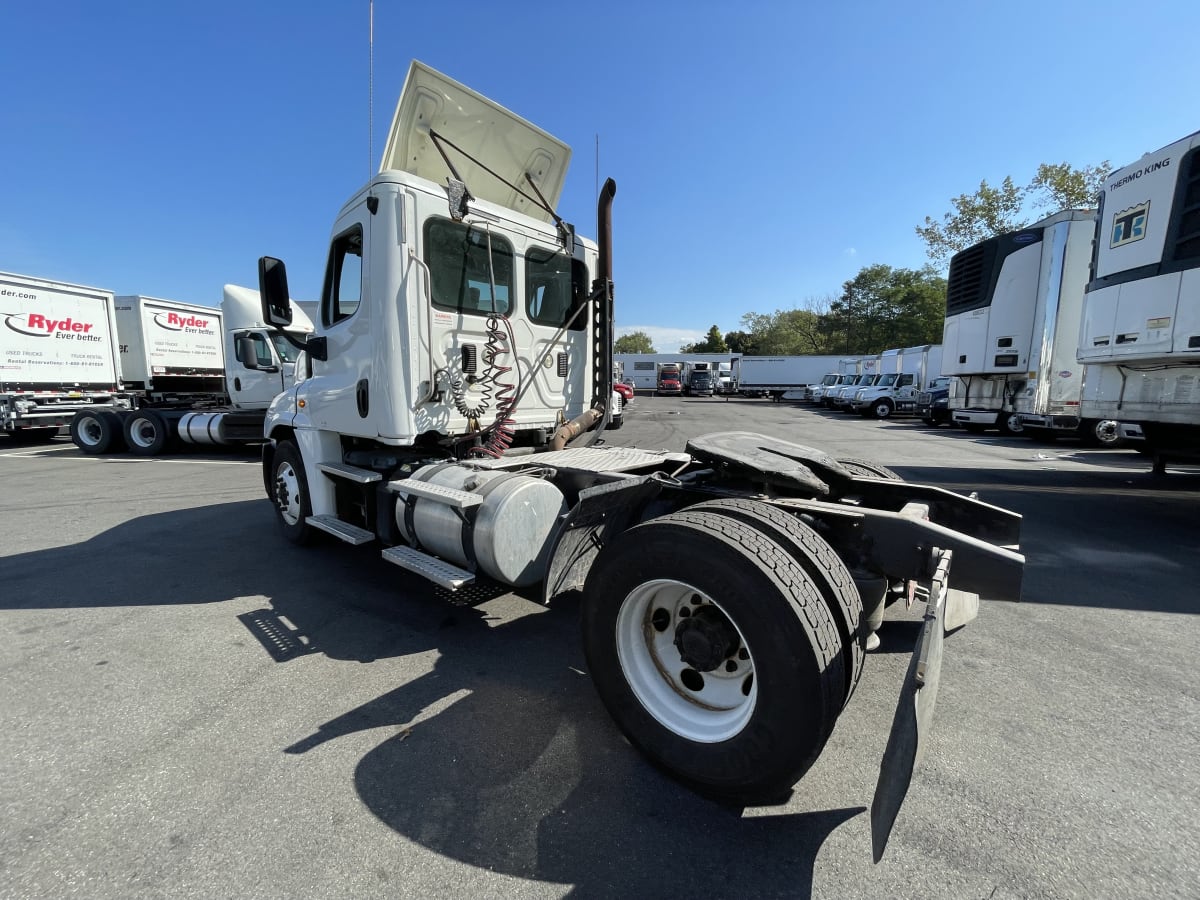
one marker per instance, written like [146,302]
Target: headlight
[942,402]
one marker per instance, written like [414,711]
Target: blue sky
[764,152]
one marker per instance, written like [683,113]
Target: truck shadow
[501,757]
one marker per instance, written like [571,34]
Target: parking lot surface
[195,708]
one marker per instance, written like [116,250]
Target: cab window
[465,264]
[555,287]
[343,277]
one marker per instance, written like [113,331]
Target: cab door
[342,381]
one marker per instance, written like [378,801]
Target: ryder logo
[175,322]
[37,325]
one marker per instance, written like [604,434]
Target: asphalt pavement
[195,708]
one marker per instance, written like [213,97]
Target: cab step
[439,493]
[438,571]
[349,473]
[343,531]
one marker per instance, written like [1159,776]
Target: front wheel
[290,493]
[1010,424]
[729,675]
[881,409]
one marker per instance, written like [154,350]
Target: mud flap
[914,711]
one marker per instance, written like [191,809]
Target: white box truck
[193,374]
[723,632]
[1140,334]
[871,369]
[897,392]
[58,354]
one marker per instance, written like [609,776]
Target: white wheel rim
[90,432]
[287,493]
[143,432]
[706,707]
[1107,432]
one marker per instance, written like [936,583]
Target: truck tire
[290,494]
[818,559]
[1010,425]
[1101,433]
[930,421]
[869,468]
[146,432]
[728,675]
[96,431]
[881,409]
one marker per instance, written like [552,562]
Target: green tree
[634,342]
[995,210]
[741,342]
[712,343]
[1058,186]
[976,217]
[882,308]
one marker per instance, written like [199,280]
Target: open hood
[499,139]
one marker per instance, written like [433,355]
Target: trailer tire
[146,432]
[819,560]
[96,431]
[869,468]
[749,727]
[290,494]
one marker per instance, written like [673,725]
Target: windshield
[888,380]
[846,379]
[286,351]
[864,379]
[830,379]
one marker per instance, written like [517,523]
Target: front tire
[1010,425]
[882,409]
[293,505]
[729,675]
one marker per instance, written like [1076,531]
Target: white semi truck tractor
[1140,334]
[449,413]
[191,374]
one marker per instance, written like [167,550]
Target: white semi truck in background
[1140,334]
[450,412]
[1012,310]
[781,377]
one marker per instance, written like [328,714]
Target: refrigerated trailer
[780,377]
[1012,306]
[1140,334]
[727,592]
[58,354]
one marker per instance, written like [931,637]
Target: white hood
[499,139]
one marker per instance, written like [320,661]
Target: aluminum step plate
[437,492]
[344,531]
[350,473]
[591,459]
[438,571]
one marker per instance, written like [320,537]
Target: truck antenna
[370,88]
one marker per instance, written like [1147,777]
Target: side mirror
[247,354]
[273,289]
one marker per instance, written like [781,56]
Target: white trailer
[897,392]
[723,631]
[1001,295]
[58,354]
[777,376]
[191,374]
[1140,335]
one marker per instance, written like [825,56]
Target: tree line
[883,307]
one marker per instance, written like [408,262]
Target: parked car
[933,405]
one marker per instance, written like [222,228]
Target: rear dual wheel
[711,638]
[147,433]
[96,431]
